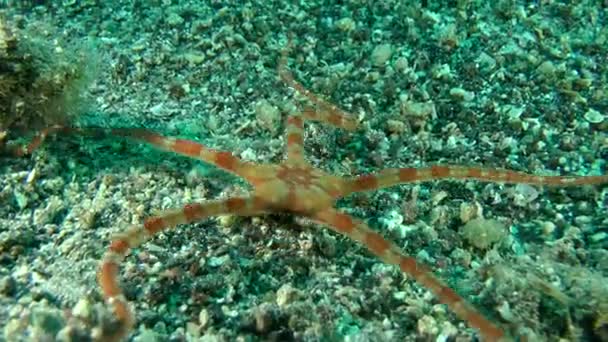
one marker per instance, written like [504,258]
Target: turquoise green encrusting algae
[512,84]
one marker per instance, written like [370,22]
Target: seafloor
[515,84]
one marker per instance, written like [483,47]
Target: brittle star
[295,186]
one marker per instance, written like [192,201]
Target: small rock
[381,54]
[593,116]
[8,285]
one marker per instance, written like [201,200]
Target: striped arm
[294,137]
[391,254]
[221,159]
[332,116]
[390,177]
[121,244]
[323,111]
[37,140]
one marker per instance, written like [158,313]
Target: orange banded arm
[122,243]
[391,177]
[391,254]
[322,110]
[224,160]
[36,141]
[294,137]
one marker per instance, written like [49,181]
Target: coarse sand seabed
[513,84]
